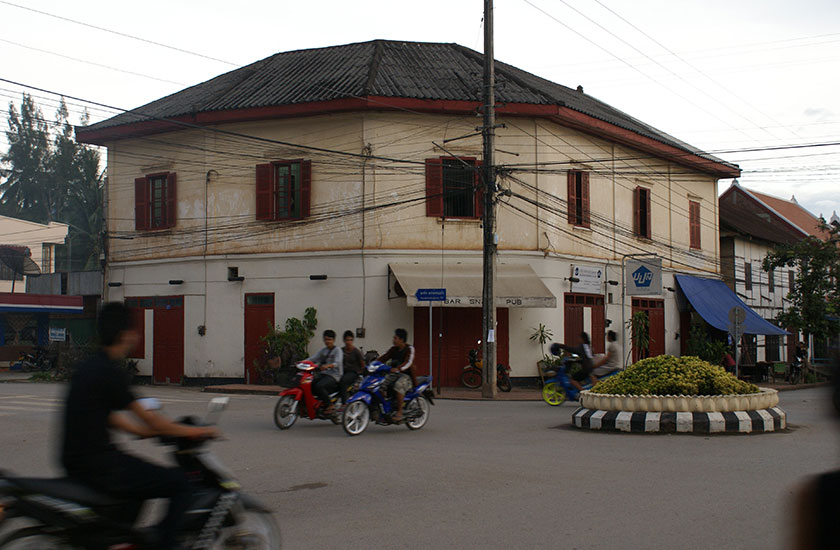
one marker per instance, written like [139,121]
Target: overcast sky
[721,75]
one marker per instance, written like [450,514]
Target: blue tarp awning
[712,299]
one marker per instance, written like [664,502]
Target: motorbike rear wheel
[417,406]
[286,412]
[254,530]
[503,382]
[33,538]
[471,378]
[553,394]
[356,418]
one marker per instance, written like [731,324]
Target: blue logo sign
[642,277]
[430,294]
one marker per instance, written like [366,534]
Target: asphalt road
[485,475]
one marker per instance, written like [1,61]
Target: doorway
[259,320]
[168,340]
[584,313]
[655,311]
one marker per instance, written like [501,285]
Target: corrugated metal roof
[387,68]
[764,216]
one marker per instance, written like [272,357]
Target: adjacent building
[348,177]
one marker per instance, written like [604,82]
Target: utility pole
[488,295]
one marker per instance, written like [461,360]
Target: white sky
[747,74]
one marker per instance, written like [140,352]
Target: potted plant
[543,335]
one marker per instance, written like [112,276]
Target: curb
[761,421]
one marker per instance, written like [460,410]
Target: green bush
[669,375]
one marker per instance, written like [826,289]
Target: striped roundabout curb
[760,421]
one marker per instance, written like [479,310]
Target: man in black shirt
[98,391]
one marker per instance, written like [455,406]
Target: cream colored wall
[222,167]
[35,236]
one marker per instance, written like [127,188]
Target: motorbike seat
[421,380]
[65,489]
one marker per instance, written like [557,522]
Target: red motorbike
[299,400]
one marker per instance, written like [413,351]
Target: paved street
[486,475]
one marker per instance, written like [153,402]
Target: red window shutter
[571,198]
[305,187]
[434,188]
[265,192]
[479,189]
[171,199]
[694,223]
[584,198]
[141,204]
[637,211]
[649,229]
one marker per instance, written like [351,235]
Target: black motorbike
[471,376]
[59,514]
[38,361]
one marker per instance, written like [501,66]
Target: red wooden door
[573,320]
[461,331]
[168,355]
[655,310]
[259,319]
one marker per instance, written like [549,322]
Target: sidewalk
[14,376]
[461,394]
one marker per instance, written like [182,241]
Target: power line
[118,33]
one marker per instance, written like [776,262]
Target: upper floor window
[284,189]
[641,218]
[748,276]
[154,201]
[771,281]
[454,187]
[46,258]
[791,280]
[694,224]
[578,198]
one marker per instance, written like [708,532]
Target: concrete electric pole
[488,295]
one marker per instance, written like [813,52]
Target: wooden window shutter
[637,211]
[479,189]
[694,223]
[171,199]
[434,188]
[305,187]
[648,229]
[571,197]
[584,198]
[265,192]
[141,204]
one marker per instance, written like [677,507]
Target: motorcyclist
[584,351]
[98,391]
[354,364]
[610,361]
[330,361]
[401,378]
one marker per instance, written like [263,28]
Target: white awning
[516,284]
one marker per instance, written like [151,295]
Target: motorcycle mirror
[150,403]
[218,404]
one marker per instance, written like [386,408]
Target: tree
[814,300]
[24,191]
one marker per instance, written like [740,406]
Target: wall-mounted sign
[58,334]
[643,277]
[590,280]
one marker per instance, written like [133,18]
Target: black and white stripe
[764,420]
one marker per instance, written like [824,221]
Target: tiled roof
[384,68]
[794,213]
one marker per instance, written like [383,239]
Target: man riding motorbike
[330,361]
[584,351]
[354,364]
[401,378]
[98,391]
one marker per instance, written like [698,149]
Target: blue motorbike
[369,403]
[558,387]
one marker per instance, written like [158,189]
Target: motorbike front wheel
[553,394]
[503,382]
[416,413]
[356,418]
[285,413]
[33,538]
[471,378]
[254,530]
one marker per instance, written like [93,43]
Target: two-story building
[347,177]
[752,224]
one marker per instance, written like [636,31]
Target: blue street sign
[430,294]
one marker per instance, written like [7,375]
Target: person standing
[354,364]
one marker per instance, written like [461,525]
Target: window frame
[748,276]
[694,225]
[642,198]
[267,190]
[145,202]
[436,189]
[771,281]
[578,199]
